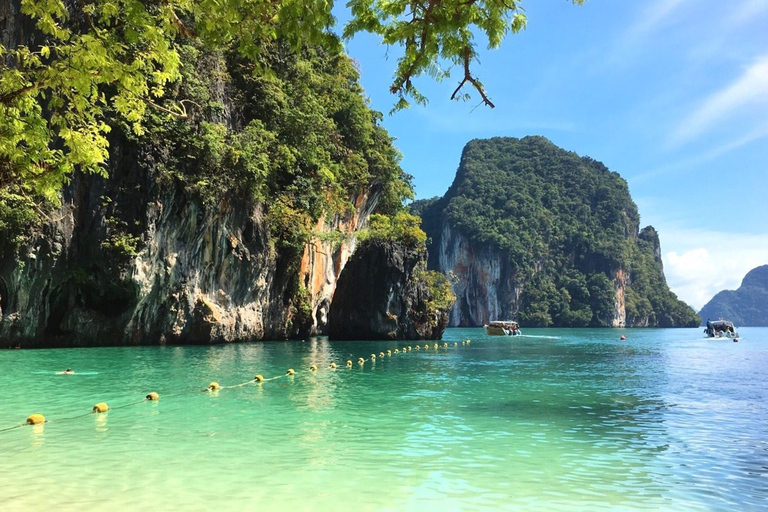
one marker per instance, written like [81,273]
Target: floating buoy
[455,343]
[469,341]
[435,346]
[36,419]
[381,355]
[349,363]
[409,348]
[445,345]
[100,407]
[360,360]
[333,365]
[389,352]
[153,397]
[213,386]
[397,351]
[623,338]
[373,357]
[290,371]
[313,368]
[258,378]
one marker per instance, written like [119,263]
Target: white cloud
[705,263]
[749,90]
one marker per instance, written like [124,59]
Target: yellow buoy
[409,348]
[213,386]
[397,351]
[313,368]
[381,355]
[35,419]
[349,363]
[290,371]
[373,356]
[469,341]
[258,378]
[417,347]
[455,343]
[333,365]
[360,360]
[100,407]
[445,345]
[153,397]
[389,352]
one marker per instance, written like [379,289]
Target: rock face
[202,275]
[379,297]
[144,258]
[488,285]
[541,235]
[746,306]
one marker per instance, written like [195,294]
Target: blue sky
[671,94]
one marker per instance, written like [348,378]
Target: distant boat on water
[502,328]
[721,329]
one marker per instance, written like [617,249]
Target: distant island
[538,234]
[747,306]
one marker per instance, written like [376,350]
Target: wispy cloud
[747,12]
[749,90]
[694,163]
[652,18]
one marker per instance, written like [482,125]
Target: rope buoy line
[102,407]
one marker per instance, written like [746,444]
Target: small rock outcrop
[380,295]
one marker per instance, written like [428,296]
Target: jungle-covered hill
[747,306]
[534,232]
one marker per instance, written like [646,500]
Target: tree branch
[469,78]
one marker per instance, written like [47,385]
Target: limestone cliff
[231,222]
[203,275]
[546,237]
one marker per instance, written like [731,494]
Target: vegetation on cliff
[402,229]
[87,62]
[746,306]
[566,224]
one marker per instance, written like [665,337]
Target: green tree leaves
[96,59]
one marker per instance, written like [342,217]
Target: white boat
[502,328]
[721,329]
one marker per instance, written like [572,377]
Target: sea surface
[556,419]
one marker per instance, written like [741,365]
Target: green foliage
[102,62]
[441,293]
[566,225]
[19,215]
[302,306]
[649,301]
[122,246]
[435,34]
[535,201]
[402,227]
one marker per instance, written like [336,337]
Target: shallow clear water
[557,419]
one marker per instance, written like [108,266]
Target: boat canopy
[503,324]
[720,325]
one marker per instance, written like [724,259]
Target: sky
[671,94]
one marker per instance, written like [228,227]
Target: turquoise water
[556,419]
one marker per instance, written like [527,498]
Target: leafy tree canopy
[93,59]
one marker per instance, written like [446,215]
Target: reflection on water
[554,420]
